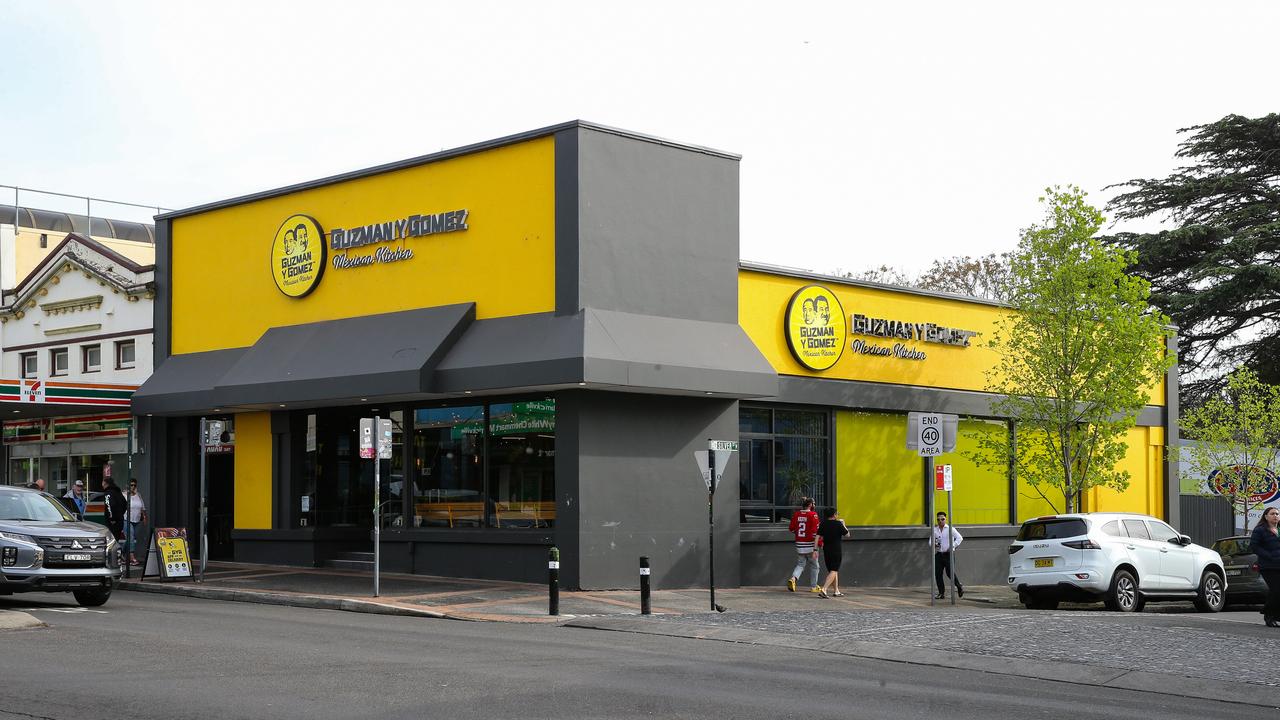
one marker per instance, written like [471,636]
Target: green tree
[1217,273]
[1236,434]
[1077,357]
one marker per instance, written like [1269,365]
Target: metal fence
[1205,519]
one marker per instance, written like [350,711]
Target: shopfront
[553,323]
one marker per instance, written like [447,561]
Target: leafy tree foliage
[1077,358]
[1236,432]
[1217,274]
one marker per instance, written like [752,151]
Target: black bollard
[553,581]
[644,586]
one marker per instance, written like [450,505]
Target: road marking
[70,610]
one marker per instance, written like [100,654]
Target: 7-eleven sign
[33,391]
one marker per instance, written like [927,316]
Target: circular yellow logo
[815,327]
[298,255]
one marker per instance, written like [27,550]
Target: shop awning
[625,351]
[313,363]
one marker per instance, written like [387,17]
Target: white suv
[1119,558]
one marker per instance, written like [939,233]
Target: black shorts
[833,558]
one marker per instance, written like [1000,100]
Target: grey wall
[635,490]
[883,557]
[657,229]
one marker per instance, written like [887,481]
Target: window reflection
[448,478]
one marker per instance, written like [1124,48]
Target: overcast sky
[871,133]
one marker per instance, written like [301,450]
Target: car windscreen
[16,505]
[1052,529]
[1232,546]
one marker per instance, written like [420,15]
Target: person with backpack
[116,507]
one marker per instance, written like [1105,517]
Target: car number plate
[1233,572]
[82,557]
[1044,562]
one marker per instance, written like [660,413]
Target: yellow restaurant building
[554,322]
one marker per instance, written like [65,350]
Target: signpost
[210,434]
[930,435]
[712,463]
[375,444]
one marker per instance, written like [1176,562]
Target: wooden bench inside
[472,513]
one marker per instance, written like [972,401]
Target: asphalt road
[152,656]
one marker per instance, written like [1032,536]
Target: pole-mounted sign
[712,463]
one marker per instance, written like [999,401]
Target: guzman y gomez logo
[815,327]
[389,237]
[297,255]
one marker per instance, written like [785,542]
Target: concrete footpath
[1173,651]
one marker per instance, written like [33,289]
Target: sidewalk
[463,599]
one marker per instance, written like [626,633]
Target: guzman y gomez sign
[817,332]
[385,234]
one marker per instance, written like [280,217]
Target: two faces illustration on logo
[815,330]
[298,255]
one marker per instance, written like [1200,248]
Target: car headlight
[19,537]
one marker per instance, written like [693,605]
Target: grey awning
[313,363]
[184,383]
[629,352]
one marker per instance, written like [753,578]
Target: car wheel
[92,598]
[1211,596]
[1123,594]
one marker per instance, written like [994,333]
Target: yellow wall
[1144,461]
[224,295]
[762,305]
[878,480]
[980,495]
[253,471]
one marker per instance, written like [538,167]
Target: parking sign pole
[929,483]
[711,522]
[951,556]
[204,499]
[377,505]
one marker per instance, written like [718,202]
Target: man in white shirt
[945,540]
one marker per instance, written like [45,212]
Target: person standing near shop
[804,525]
[831,534]
[116,507]
[76,496]
[133,527]
[1265,543]
[945,541]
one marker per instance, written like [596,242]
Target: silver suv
[1122,559]
[44,549]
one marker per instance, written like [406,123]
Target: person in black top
[1265,543]
[116,507]
[832,531]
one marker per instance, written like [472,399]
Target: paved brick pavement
[1191,646]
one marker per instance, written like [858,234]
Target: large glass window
[782,458]
[980,493]
[485,465]
[879,481]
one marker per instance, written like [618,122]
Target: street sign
[931,434]
[942,478]
[213,432]
[384,439]
[722,457]
[722,445]
[366,438]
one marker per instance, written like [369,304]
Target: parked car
[43,548]
[1240,563]
[1124,560]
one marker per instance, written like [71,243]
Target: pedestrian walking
[1265,543]
[945,541]
[831,534]
[137,517]
[116,507]
[804,525]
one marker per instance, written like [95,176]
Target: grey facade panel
[640,493]
[385,354]
[658,229]
[185,383]
[519,351]
[567,221]
[162,306]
